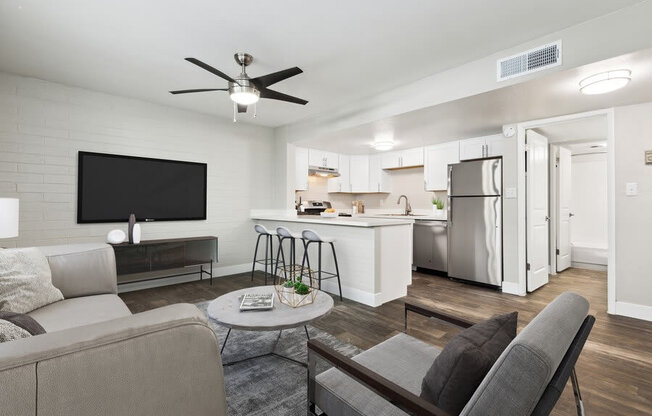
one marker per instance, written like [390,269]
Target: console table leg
[225,339]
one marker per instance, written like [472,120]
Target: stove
[313,207]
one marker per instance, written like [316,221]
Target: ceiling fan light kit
[605,82]
[244,90]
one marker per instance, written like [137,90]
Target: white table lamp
[8,217]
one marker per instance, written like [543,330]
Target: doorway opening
[568,177]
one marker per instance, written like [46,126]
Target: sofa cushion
[26,322]
[25,280]
[401,359]
[515,383]
[463,363]
[70,313]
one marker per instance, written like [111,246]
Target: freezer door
[477,177]
[475,239]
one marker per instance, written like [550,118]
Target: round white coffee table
[225,310]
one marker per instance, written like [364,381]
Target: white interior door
[563,209]
[538,238]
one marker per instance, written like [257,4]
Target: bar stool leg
[280,254]
[253,267]
[319,266]
[266,256]
[337,270]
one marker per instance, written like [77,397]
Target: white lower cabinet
[437,159]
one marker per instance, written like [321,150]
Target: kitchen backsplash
[407,182]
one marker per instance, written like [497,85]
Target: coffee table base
[272,353]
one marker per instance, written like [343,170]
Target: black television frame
[80,182]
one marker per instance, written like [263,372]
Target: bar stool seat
[269,251]
[310,237]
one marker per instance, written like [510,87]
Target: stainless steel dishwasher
[430,245]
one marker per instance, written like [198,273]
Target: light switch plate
[510,193]
[631,189]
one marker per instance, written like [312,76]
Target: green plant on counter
[438,203]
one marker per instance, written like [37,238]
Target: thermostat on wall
[648,157]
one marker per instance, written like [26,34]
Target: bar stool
[284,234]
[309,237]
[269,251]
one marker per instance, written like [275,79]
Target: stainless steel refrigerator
[475,231]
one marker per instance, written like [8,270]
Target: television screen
[110,187]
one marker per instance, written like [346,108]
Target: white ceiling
[548,96]
[349,50]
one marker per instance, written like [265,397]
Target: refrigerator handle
[450,212]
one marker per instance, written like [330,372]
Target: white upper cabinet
[359,172]
[301,169]
[402,158]
[378,178]
[437,159]
[341,183]
[323,159]
[481,147]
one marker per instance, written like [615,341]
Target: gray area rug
[270,385]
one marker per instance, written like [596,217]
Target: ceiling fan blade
[271,79]
[242,108]
[198,90]
[211,69]
[275,95]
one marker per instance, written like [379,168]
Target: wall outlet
[510,193]
[631,189]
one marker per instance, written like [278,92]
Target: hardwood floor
[615,368]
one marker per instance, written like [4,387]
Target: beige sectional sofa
[99,359]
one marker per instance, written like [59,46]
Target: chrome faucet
[408,208]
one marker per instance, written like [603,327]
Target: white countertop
[357,221]
[416,217]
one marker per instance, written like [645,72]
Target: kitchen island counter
[374,254]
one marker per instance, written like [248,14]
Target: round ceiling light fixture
[605,82]
[382,144]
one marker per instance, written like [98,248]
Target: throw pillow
[26,322]
[10,332]
[462,365]
[25,280]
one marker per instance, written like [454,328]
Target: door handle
[547,218]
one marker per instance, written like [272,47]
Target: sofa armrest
[164,361]
[82,269]
[432,313]
[392,392]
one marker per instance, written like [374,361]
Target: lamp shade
[8,217]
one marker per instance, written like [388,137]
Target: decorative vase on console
[132,224]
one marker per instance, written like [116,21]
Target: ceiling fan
[245,91]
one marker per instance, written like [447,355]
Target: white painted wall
[43,125]
[589,200]
[633,135]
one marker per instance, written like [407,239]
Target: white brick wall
[43,125]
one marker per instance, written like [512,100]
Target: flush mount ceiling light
[383,144]
[605,82]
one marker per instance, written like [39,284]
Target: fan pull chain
[255,110]
[235,112]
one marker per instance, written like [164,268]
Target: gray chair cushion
[401,359]
[70,313]
[515,383]
[465,361]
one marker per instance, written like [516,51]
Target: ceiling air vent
[536,59]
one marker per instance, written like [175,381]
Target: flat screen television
[110,187]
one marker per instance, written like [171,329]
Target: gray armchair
[98,359]
[527,379]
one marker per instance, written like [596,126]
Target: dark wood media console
[137,262]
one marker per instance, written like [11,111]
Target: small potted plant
[437,207]
[293,292]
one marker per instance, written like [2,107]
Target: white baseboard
[166,281]
[634,310]
[513,289]
[589,266]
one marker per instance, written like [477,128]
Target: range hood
[322,171]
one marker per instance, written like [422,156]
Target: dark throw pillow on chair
[24,321]
[460,367]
